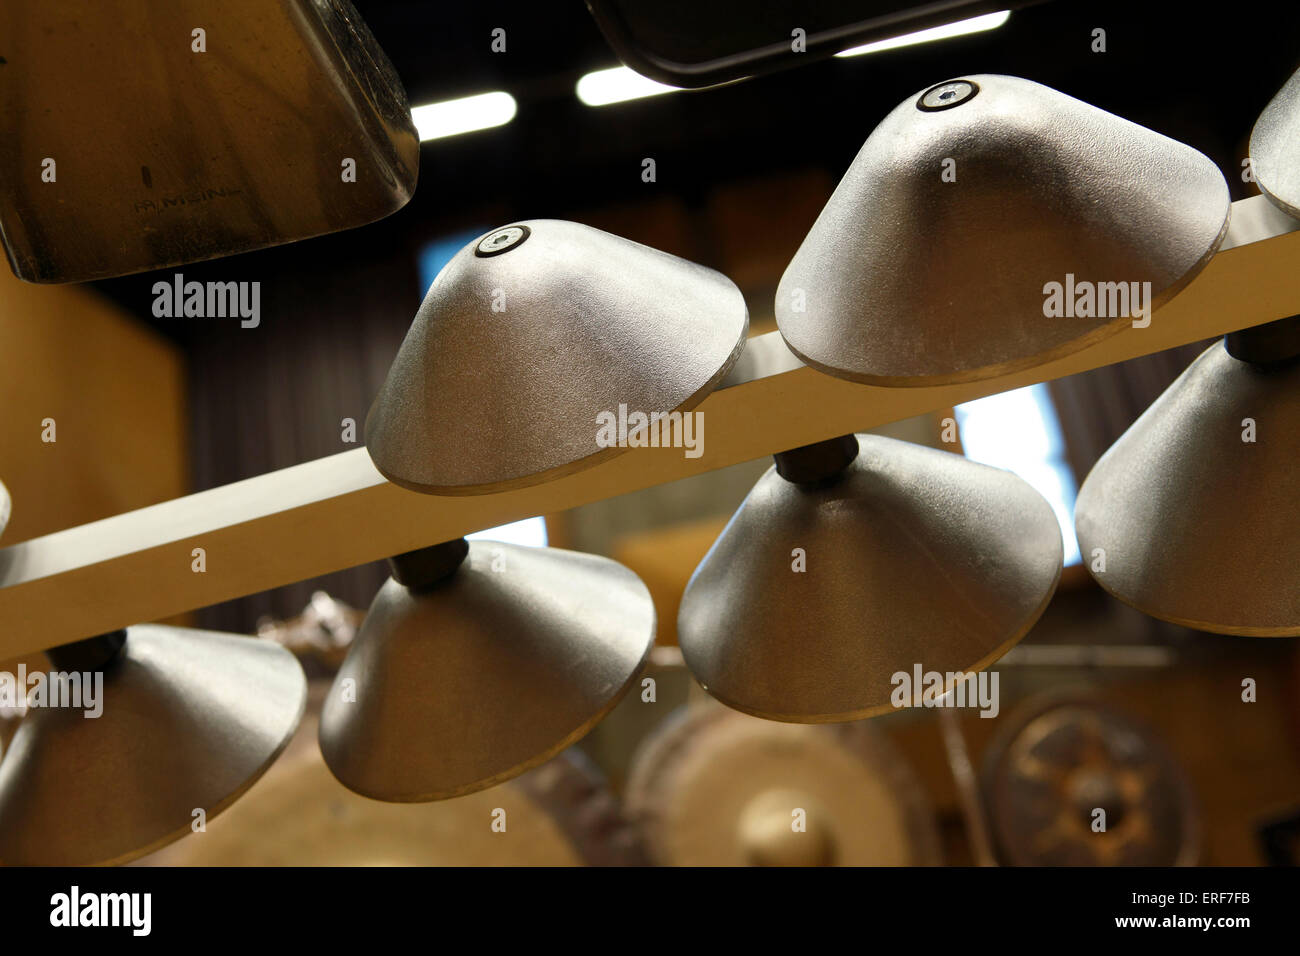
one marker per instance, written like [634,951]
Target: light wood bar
[337,512]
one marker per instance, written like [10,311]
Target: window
[1019,431]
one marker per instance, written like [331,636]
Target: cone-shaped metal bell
[493,670]
[991,224]
[189,721]
[817,593]
[528,337]
[1191,516]
[1275,148]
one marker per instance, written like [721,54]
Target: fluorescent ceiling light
[619,83]
[465,115]
[989,21]
[616,85]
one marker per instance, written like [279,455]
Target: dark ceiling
[1171,66]
[1199,73]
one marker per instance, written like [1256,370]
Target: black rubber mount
[819,463]
[426,568]
[1267,344]
[92,654]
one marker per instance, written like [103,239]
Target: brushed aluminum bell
[991,224]
[478,661]
[189,721]
[527,337]
[855,560]
[1275,148]
[142,135]
[1191,515]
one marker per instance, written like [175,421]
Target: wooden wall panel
[116,392]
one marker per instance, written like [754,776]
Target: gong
[1071,781]
[713,787]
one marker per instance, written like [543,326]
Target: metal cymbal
[495,669]
[912,556]
[6,506]
[529,334]
[172,154]
[1196,525]
[1275,148]
[931,262]
[1065,756]
[191,719]
[713,787]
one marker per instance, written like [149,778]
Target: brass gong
[713,787]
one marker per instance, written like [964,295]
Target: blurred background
[160,408]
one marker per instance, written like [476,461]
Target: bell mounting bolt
[92,654]
[1267,344]
[501,240]
[819,463]
[426,568]
[946,95]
